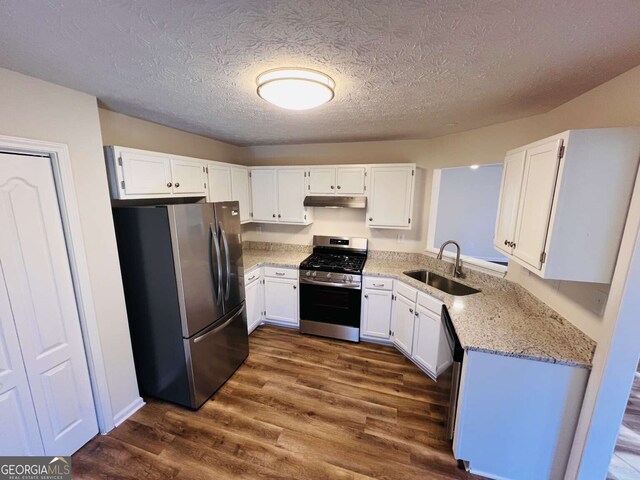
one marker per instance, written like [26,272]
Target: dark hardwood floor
[625,463]
[299,407]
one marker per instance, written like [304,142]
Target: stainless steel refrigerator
[182,273]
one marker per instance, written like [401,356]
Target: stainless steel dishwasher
[457,352]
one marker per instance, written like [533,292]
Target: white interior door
[390,197]
[536,200]
[241,192]
[322,181]
[264,195]
[219,187]
[509,199]
[350,180]
[188,177]
[17,415]
[291,195]
[34,259]
[146,174]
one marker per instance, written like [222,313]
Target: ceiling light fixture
[474,167]
[295,88]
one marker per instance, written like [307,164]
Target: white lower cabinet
[254,297]
[376,314]
[402,318]
[430,348]
[281,296]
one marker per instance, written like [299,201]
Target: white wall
[467,206]
[612,104]
[31,108]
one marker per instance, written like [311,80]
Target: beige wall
[118,129]
[34,109]
[615,103]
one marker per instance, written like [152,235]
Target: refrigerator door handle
[217,285]
[219,327]
[227,260]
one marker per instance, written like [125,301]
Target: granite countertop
[256,258]
[503,318]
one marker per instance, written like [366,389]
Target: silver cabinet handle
[250,278]
[281,274]
[177,184]
[169,184]
[378,284]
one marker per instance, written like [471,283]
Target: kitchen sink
[441,283]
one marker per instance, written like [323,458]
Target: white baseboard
[127,411]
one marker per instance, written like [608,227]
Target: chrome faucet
[457,267]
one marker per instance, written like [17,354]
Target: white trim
[480,264]
[127,411]
[68,203]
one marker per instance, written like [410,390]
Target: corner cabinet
[564,201]
[254,295]
[278,196]
[390,198]
[139,174]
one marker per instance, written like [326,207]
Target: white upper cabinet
[391,196]
[241,191]
[571,203]
[219,182]
[509,201]
[264,193]
[350,180]
[189,177]
[322,181]
[277,195]
[137,174]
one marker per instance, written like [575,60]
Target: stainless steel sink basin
[441,283]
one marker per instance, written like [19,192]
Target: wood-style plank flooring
[299,407]
[625,463]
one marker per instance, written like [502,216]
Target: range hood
[333,201]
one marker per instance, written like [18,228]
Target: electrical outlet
[259,230]
[400,237]
[600,302]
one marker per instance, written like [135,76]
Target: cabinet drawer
[378,283]
[405,291]
[430,303]
[252,276]
[281,272]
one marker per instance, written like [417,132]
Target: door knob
[177,184]
[169,184]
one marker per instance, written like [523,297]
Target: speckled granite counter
[256,258]
[503,318]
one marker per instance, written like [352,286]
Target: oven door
[330,304]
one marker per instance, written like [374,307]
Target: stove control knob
[328,275]
[344,277]
[313,274]
[308,274]
[351,278]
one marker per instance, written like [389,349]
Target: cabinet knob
[506,242]
[513,244]
[169,184]
[338,187]
[411,310]
[370,219]
[177,184]
[274,215]
[366,296]
[295,286]
[331,187]
[279,216]
[417,314]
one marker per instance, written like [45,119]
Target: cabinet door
[509,199]
[350,180]
[426,339]
[188,177]
[264,195]
[391,197]
[402,319]
[146,174]
[241,192]
[219,185]
[35,265]
[254,298]
[291,195]
[322,181]
[536,200]
[17,415]
[281,300]
[376,314]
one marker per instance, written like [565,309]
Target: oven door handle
[354,286]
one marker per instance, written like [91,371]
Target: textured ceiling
[403,68]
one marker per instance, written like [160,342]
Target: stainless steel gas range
[330,287]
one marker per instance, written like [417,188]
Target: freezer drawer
[215,353]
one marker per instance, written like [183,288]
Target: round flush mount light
[295,88]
